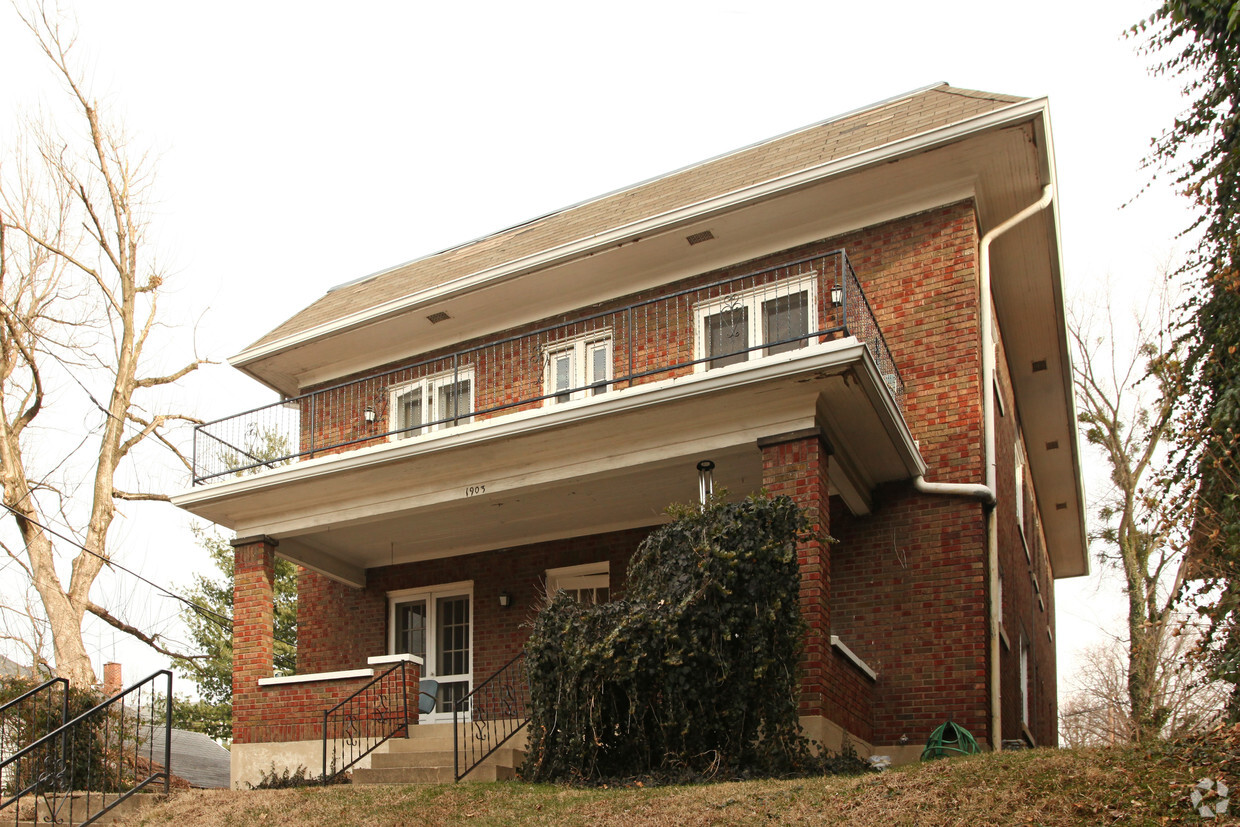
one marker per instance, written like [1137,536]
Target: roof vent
[698,238]
[436,318]
[1039,366]
[1052,445]
[1061,506]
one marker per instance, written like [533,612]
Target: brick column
[253,629]
[795,464]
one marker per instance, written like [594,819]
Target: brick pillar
[113,679]
[795,464]
[254,566]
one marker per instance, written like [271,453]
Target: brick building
[823,314]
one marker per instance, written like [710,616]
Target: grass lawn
[1117,786]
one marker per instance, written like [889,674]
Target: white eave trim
[998,118]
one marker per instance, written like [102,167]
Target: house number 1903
[475,490]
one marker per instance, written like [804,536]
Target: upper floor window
[446,399]
[778,316]
[578,367]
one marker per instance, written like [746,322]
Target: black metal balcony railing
[655,337]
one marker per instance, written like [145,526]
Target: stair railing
[498,708]
[86,767]
[31,715]
[356,726]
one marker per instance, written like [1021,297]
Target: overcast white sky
[301,145]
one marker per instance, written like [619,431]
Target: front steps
[425,757]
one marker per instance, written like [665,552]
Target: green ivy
[695,672]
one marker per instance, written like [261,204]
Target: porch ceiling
[601,464]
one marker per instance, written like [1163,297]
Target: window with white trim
[446,398]
[589,583]
[577,368]
[1020,486]
[1024,680]
[779,315]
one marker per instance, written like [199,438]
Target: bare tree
[79,292]
[1097,712]
[1127,383]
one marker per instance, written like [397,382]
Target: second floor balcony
[724,324]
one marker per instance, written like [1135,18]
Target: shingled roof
[882,123]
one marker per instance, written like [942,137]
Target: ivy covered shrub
[694,673]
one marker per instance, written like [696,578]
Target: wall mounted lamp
[505,600]
[369,413]
[837,296]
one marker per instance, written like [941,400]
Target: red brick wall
[339,626]
[909,587]
[294,711]
[253,630]
[1026,573]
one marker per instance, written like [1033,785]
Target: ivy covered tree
[694,672]
[1198,41]
[212,713]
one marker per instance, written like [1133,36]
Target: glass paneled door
[436,625]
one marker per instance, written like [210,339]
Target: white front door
[436,624]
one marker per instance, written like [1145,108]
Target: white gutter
[986,493]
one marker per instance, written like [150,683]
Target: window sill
[345,675]
[836,643]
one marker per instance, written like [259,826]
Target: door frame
[461,588]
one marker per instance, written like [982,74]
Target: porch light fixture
[369,413]
[706,481]
[505,600]
[837,296]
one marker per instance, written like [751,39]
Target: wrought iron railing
[355,727]
[661,336]
[86,767]
[498,708]
[30,716]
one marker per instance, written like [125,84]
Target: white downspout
[986,493]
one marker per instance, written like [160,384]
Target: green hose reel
[947,740]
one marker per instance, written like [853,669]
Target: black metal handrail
[32,714]
[498,707]
[361,722]
[89,765]
[662,336]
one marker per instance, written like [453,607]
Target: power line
[209,614]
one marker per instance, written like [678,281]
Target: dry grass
[1043,787]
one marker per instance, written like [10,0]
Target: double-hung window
[750,324]
[433,402]
[577,368]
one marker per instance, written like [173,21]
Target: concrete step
[503,756]
[430,775]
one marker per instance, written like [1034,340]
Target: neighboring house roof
[199,760]
[11,668]
[882,123]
